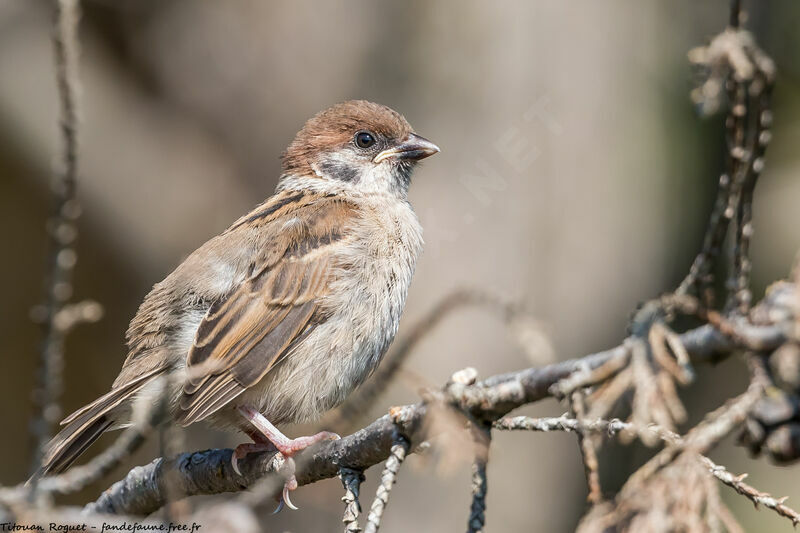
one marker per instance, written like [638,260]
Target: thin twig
[480,487]
[615,426]
[702,437]
[588,375]
[756,496]
[758,106]
[477,510]
[351,481]
[62,230]
[596,425]
[388,479]
[746,74]
[588,451]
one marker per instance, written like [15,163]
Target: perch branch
[142,491]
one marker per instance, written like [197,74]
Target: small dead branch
[482,438]
[588,450]
[682,497]
[388,478]
[587,375]
[61,228]
[737,70]
[702,437]
[477,510]
[654,358]
[598,426]
[616,426]
[756,496]
[351,482]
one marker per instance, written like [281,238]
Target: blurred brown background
[574,175]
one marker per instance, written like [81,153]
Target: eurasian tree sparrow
[280,317]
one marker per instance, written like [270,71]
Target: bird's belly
[339,354]
[332,361]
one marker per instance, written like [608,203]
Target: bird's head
[357,146]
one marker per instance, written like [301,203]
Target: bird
[280,317]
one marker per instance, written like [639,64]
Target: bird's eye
[364,139]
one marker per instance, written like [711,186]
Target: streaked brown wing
[245,334]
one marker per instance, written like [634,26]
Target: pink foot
[267,433]
[292,446]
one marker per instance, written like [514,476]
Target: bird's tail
[85,425]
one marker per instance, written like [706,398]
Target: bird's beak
[413,147]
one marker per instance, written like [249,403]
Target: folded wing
[247,333]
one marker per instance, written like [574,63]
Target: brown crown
[335,127]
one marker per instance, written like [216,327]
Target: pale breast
[371,280]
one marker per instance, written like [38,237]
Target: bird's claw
[285,500]
[243,450]
[235,464]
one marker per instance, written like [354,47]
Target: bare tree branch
[142,491]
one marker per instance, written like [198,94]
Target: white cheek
[377,178]
[370,178]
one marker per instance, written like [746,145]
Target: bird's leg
[267,433]
[288,447]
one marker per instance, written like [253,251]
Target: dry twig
[756,496]
[616,426]
[482,437]
[351,481]
[62,230]
[388,478]
[588,450]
